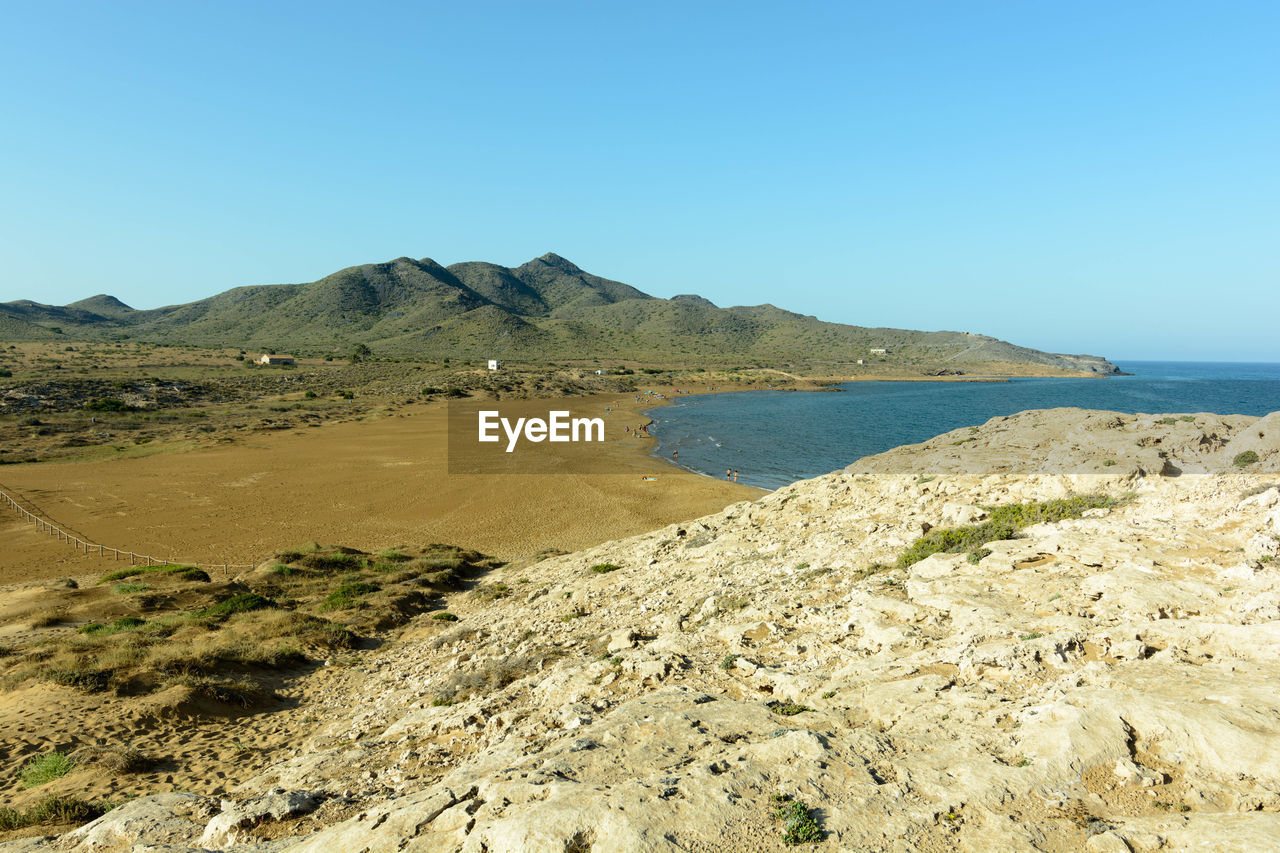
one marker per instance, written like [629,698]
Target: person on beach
[675,454]
[735,476]
[728,474]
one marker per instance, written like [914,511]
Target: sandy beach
[368,484]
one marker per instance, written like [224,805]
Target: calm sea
[777,437]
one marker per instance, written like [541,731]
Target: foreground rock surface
[1106,683]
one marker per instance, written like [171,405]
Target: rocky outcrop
[1105,683]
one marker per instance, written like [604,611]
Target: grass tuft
[45,768]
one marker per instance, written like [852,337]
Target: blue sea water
[777,437]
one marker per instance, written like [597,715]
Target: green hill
[546,309]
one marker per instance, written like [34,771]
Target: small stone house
[879,351]
[494,364]
[269,358]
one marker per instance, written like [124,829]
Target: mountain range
[546,309]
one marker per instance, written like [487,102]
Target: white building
[494,364]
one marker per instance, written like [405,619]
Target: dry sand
[370,484]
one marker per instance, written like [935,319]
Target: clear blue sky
[1084,176]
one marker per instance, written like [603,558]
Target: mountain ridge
[547,308]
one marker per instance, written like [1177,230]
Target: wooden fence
[135,559]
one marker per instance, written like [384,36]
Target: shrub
[195,575]
[1245,459]
[332,562]
[108,404]
[5,373]
[1003,522]
[45,768]
[798,825]
[229,691]
[444,616]
[114,759]
[52,810]
[605,568]
[787,708]
[241,602]
[134,571]
[348,595]
[124,623]
[492,591]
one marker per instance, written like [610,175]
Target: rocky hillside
[546,309]
[797,669]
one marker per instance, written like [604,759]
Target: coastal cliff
[799,667]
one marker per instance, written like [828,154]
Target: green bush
[1245,459]
[1003,522]
[444,616]
[347,595]
[605,568]
[241,602]
[798,824]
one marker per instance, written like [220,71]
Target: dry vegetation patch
[147,650]
[219,639]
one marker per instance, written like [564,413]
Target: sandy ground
[370,484]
